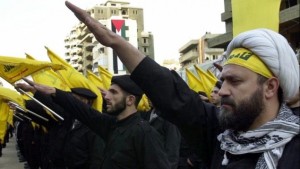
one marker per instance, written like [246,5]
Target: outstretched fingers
[101,33]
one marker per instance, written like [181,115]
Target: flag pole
[29,111]
[18,117]
[23,115]
[23,92]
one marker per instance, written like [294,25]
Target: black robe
[131,143]
[197,120]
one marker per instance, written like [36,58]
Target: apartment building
[197,51]
[83,51]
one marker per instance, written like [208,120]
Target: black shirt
[131,143]
[197,120]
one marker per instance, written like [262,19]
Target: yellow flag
[143,104]
[4,111]
[211,74]
[48,77]
[13,69]
[207,81]
[95,79]
[106,77]
[73,78]
[10,117]
[11,95]
[3,128]
[193,82]
[44,129]
[252,14]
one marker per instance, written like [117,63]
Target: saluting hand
[101,33]
[33,87]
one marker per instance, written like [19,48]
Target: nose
[106,97]
[224,90]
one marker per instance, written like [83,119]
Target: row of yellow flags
[57,73]
[60,74]
[203,81]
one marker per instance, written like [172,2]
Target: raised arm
[128,54]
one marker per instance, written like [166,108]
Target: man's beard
[118,108]
[241,116]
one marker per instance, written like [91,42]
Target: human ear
[272,86]
[130,100]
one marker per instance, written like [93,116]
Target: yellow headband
[245,58]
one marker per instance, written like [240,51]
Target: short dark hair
[137,97]
[202,93]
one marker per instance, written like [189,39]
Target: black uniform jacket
[131,143]
[197,120]
[83,148]
[170,136]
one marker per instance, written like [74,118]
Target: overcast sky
[29,25]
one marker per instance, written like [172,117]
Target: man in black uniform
[83,148]
[170,134]
[255,128]
[131,143]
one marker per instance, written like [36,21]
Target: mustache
[228,101]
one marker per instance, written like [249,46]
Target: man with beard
[258,134]
[131,143]
[215,97]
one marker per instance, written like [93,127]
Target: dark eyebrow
[229,77]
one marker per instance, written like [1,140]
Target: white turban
[275,52]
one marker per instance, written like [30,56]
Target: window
[145,49]
[145,40]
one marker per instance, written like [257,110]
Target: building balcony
[192,55]
[74,58]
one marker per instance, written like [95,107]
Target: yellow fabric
[73,78]
[3,128]
[4,110]
[95,79]
[211,74]
[50,114]
[11,95]
[106,76]
[193,82]
[245,58]
[252,14]
[13,69]
[35,125]
[49,77]
[208,81]
[44,129]
[10,117]
[143,104]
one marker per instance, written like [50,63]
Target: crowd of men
[252,121]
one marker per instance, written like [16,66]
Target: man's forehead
[115,87]
[232,70]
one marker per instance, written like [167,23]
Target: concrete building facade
[83,51]
[289,20]
[197,51]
